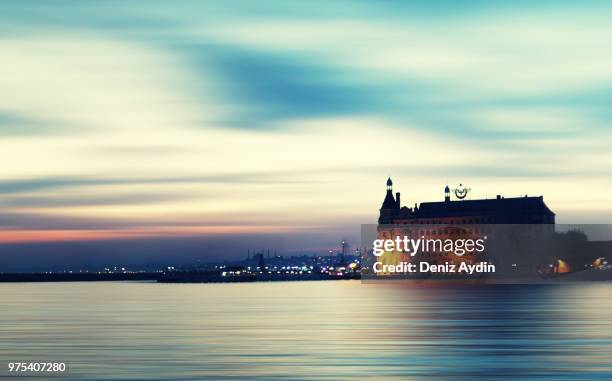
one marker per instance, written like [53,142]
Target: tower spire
[389,206]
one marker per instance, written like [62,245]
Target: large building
[499,210]
[510,246]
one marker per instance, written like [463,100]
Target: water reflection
[312,330]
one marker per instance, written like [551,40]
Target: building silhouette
[500,210]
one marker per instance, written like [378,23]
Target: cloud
[22,185]
[63,201]
[274,86]
[15,125]
[95,83]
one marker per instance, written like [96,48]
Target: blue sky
[226,119]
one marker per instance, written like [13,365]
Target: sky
[152,131]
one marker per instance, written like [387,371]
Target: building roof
[389,202]
[496,206]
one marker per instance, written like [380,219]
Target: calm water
[310,330]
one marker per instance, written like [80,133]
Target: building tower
[343,253]
[447,194]
[390,206]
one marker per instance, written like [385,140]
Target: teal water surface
[332,330]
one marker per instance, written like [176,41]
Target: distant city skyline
[201,129]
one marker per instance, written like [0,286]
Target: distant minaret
[262,264]
[447,194]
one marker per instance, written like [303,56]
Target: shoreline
[204,277]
